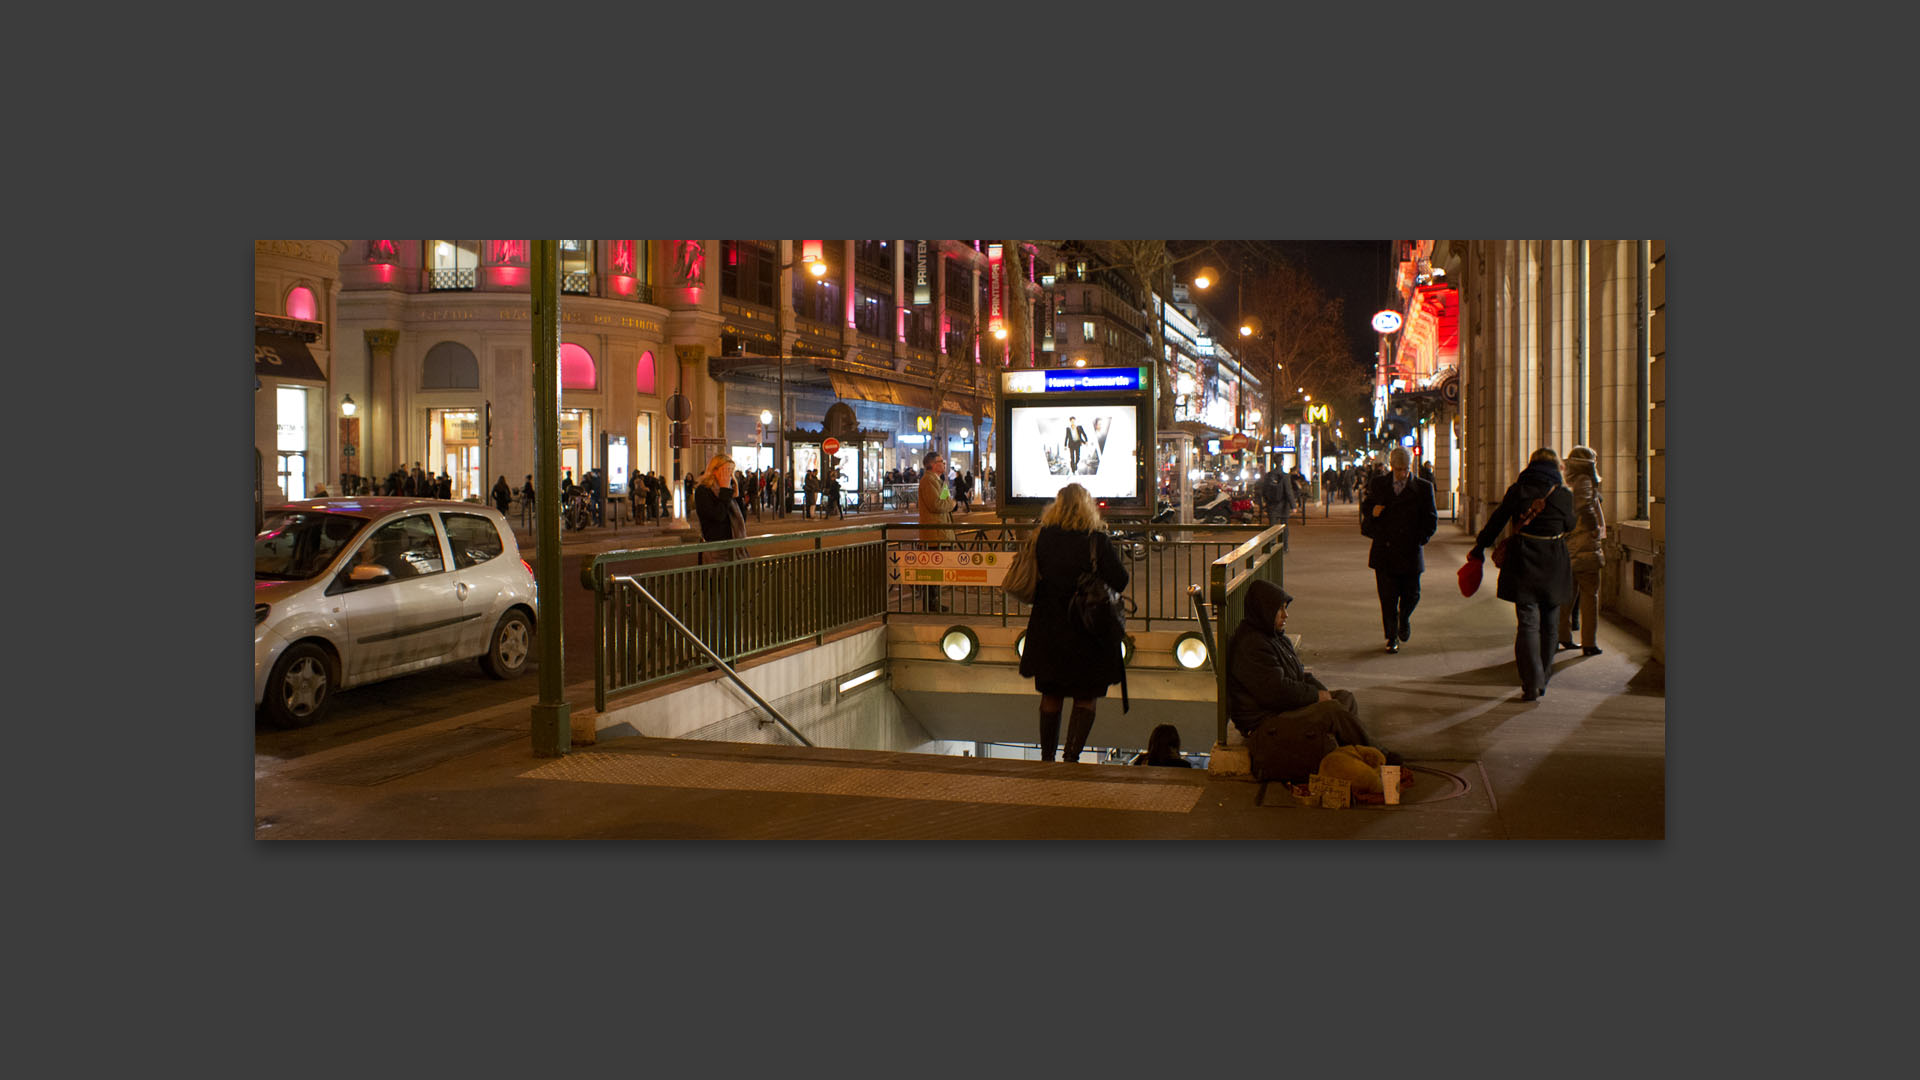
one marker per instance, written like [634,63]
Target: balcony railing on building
[465,278]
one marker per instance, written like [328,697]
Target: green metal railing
[736,601]
[1161,560]
[663,612]
[1228,577]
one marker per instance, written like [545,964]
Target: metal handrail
[1179,561]
[1197,596]
[628,581]
[798,595]
[1262,558]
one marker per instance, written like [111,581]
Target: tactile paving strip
[642,769]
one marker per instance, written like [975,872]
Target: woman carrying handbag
[1535,574]
[1061,656]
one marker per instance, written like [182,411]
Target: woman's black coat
[1060,657]
[718,513]
[1537,571]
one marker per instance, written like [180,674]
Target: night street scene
[960,539]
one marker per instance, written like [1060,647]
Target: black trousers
[1399,594]
[1534,643]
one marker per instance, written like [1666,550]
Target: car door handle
[460,590]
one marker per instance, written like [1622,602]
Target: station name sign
[1067,380]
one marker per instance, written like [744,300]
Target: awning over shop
[881,391]
[283,356]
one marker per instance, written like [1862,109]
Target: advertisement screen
[1094,445]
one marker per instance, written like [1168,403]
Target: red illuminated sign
[996,282]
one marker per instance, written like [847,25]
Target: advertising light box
[1088,426]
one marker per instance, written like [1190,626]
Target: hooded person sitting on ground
[1290,719]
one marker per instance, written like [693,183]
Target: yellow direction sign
[980,568]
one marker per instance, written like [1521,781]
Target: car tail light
[529,567]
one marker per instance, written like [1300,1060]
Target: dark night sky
[1357,271]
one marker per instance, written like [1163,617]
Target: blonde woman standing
[717,504]
[1061,657]
[1583,550]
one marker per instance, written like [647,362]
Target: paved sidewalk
[1587,760]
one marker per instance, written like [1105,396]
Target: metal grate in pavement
[646,770]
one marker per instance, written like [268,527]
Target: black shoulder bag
[1100,610]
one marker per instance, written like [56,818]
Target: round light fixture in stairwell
[1126,651]
[959,644]
[1020,645]
[1190,650]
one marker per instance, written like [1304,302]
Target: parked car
[348,591]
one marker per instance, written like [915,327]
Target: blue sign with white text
[1093,379]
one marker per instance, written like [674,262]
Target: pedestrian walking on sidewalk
[1061,657]
[1583,550]
[502,494]
[936,507]
[1290,719]
[1537,577]
[809,488]
[1399,516]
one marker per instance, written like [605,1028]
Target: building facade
[1560,343]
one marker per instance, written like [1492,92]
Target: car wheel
[300,687]
[512,643]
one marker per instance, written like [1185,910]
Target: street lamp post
[816,266]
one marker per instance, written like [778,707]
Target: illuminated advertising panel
[1094,445]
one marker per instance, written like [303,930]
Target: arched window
[301,305]
[449,366]
[643,373]
[576,368]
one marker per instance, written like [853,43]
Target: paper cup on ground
[1390,783]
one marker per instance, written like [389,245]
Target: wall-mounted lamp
[1190,650]
[347,407]
[959,644]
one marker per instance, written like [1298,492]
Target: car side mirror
[367,574]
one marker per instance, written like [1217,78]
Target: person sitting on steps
[1290,719]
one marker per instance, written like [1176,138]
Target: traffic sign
[830,445]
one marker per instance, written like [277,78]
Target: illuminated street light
[1206,277]
[347,407]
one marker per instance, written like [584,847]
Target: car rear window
[474,539]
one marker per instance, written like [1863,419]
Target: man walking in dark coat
[1276,498]
[1398,514]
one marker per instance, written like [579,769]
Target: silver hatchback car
[349,591]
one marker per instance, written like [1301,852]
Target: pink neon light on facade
[621,258]
[576,368]
[382,251]
[620,286]
[300,303]
[507,252]
[643,373]
[511,277]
